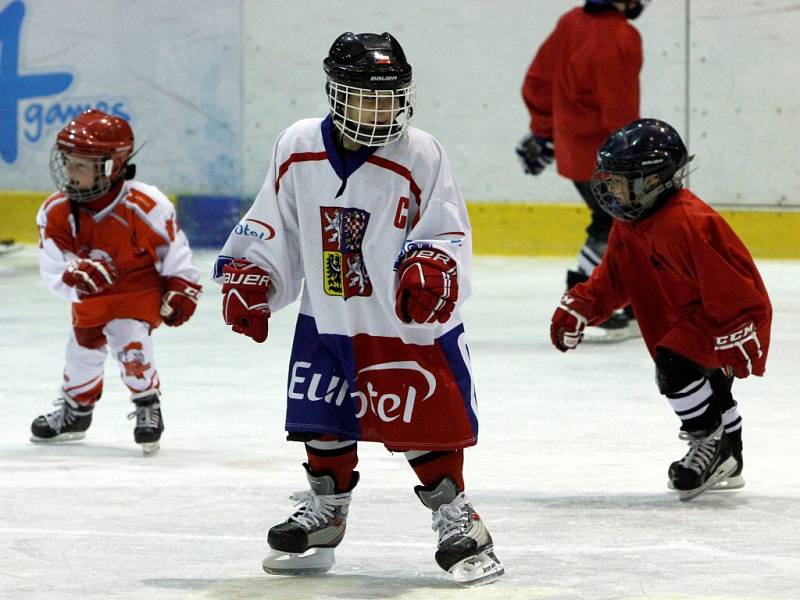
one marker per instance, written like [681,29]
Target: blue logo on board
[14,86]
[39,118]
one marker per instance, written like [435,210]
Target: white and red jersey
[334,224]
[137,231]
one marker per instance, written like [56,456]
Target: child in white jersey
[366,213]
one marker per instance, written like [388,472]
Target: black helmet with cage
[370,89]
[638,167]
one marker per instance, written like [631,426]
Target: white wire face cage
[371,117]
[63,182]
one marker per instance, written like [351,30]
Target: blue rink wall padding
[207,220]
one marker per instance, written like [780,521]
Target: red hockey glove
[428,287]
[89,276]
[568,322]
[245,293]
[738,350]
[179,300]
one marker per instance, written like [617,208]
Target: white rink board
[569,474]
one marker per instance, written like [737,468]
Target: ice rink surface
[569,473]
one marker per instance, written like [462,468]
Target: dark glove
[535,153]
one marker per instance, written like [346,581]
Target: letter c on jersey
[401,214]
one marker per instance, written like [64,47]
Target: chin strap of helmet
[667,189]
[74,209]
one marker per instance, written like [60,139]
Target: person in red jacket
[703,309]
[583,84]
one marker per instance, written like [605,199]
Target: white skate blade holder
[481,569]
[310,562]
[731,483]
[722,472]
[72,436]
[150,448]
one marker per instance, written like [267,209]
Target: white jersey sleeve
[268,237]
[53,261]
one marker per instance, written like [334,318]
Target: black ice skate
[68,422]
[735,480]
[708,462]
[304,543]
[149,423]
[465,547]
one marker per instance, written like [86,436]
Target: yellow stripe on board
[18,214]
[519,229]
[501,228]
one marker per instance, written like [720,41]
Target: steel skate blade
[72,436]
[312,561]
[481,569]
[722,472]
[730,483]
[150,448]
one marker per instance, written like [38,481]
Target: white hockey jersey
[339,224]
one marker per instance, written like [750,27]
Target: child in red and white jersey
[110,245]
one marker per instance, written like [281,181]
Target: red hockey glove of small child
[245,293]
[568,322]
[89,276]
[738,352]
[179,300]
[428,287]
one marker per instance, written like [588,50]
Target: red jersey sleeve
[537,88]
[606,289]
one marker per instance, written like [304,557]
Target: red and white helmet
[96,136]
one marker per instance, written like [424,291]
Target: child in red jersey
[110,245]
[702,307]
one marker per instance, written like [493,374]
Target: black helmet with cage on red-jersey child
[370,89]
[638,167]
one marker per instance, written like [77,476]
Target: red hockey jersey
[583,84]
[137,231]
[688,277]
